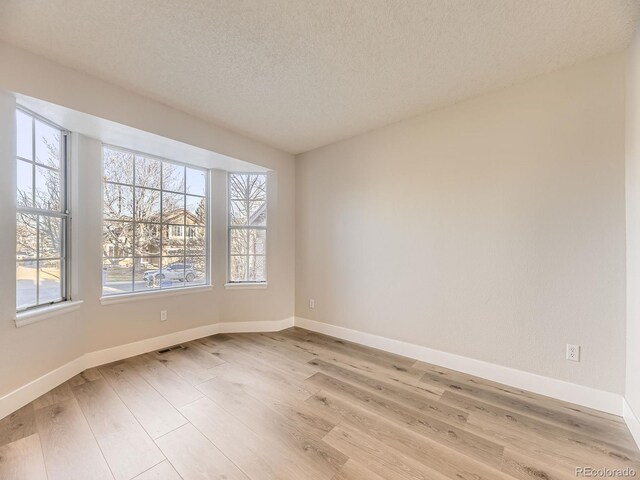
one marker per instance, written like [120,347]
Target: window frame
[230,228]
[105,296]
[64,213]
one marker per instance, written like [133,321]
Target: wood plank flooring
[303,406]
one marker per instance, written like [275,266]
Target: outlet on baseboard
[312,303]
[163,315]
[573,352]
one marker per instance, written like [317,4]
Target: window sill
[130,297]
[35,315]
[246,286]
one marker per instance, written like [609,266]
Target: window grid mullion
[161,223]
[248,208]
[37,211]
[33,165]
[134,222]
[184,220]
[38,260]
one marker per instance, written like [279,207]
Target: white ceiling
[299,74]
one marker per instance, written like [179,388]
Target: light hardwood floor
[299,405]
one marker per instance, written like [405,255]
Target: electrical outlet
[312,303]
[163,315]
[573,352]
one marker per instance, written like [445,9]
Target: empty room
[319,240]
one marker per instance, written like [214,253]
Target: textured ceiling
[298,74]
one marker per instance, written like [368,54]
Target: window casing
[148,205]
[247,227]
[42,212]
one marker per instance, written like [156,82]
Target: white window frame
[260,283]
[64,214]
[115,297]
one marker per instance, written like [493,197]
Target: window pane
[196,270]
[173,240]
[146,273]
[117,239]
[25,135]
[26,236]
[238,212]
[196,182]
[173,272]
[147,207]
[25,184]
[196,210]
[118,202]
[256,187]
[196,240]
[257,213]
[148,172]
[118,166]
[48,145]
[248,186]
[257,269]
[50,237]
[50,281]
[238,243]
[237,186]
[26,274]
[173,208]
[147,240]
[257,241]
[247,241]
[117,276]
[238,268]
[48,191]
[172,177]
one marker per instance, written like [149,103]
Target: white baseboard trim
[12,401]
[578,394]
[633,422]
[113,354]
[551,387]
[32,390]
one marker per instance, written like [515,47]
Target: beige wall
[32,350]
[493,229]
[632,390]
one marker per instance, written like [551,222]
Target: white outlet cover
[312,303]
[573,352]
[163,315]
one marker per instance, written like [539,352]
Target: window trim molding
[33,315]
[151,294]
[246,285]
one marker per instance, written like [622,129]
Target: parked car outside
[175,272]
